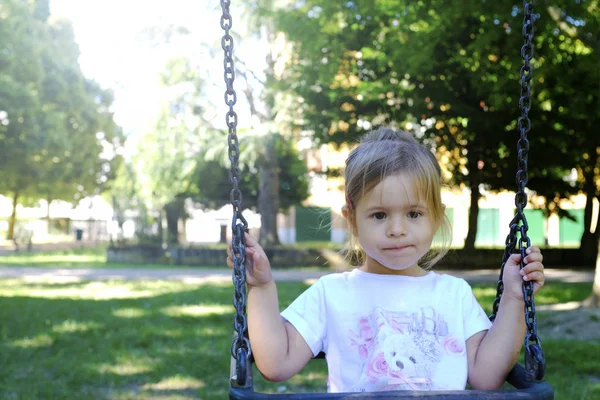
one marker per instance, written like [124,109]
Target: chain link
[534,358]
[240,348]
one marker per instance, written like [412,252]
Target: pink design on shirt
[395,321]
[453,346]
[377,367]
[363,340]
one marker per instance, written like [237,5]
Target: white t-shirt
[389,332]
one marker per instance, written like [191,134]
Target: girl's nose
[395,227]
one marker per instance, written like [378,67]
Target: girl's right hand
[258,268]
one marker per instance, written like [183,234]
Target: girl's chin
[397,267]
[390,268]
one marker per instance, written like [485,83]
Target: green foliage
[212,174]
[166,157]
[450,71]
[57,136]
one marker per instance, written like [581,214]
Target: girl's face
[394,227]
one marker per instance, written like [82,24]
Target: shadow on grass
[168,340]
[88,340]
[85,348]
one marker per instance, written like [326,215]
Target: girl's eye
[379,215]
[413,360]
[414,214]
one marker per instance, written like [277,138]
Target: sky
[114,54]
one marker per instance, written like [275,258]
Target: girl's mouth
[395,248]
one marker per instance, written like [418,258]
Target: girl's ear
[346,212]
[439,223]
[349,217]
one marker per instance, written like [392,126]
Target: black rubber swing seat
[524,389]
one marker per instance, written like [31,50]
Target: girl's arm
[279,350]
[492,354]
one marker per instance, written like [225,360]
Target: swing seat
[525,390]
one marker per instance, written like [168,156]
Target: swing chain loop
[534,358]
[240,347]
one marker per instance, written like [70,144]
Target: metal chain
[534,358]
[240,348]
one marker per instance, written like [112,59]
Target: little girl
[391,324]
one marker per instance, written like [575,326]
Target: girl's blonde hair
[384,152]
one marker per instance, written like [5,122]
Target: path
[198,275]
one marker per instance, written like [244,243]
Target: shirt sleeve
[308,315]
[475,319]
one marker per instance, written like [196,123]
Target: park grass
[84,257]
[95,257]
[171,340]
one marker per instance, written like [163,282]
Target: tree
[594,298]
[167,154]
[21,72]
[446,70]
[87,162]
[57,137]
[267,108]
[123,194]
[212,175]
[568,106]
[264,104]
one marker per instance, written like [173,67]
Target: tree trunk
[173,211]
[474,167]
[593,301]
[48,222]
[223,234]
[588,245]
[161,227]
[13,217]
[473,215]
[268,194]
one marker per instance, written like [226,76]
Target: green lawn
[85,257]
[170,340]
[93,257]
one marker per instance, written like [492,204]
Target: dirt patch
[569,321]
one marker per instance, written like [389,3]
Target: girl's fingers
[534,257]
[249,251]
[516,258]
[537,276]
[533,249]
[531,257]
[250,240]
[534,266]
[534,254]
[253,246]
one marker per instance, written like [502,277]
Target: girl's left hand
[532,272]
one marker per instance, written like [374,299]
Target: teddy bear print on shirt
[400,351]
